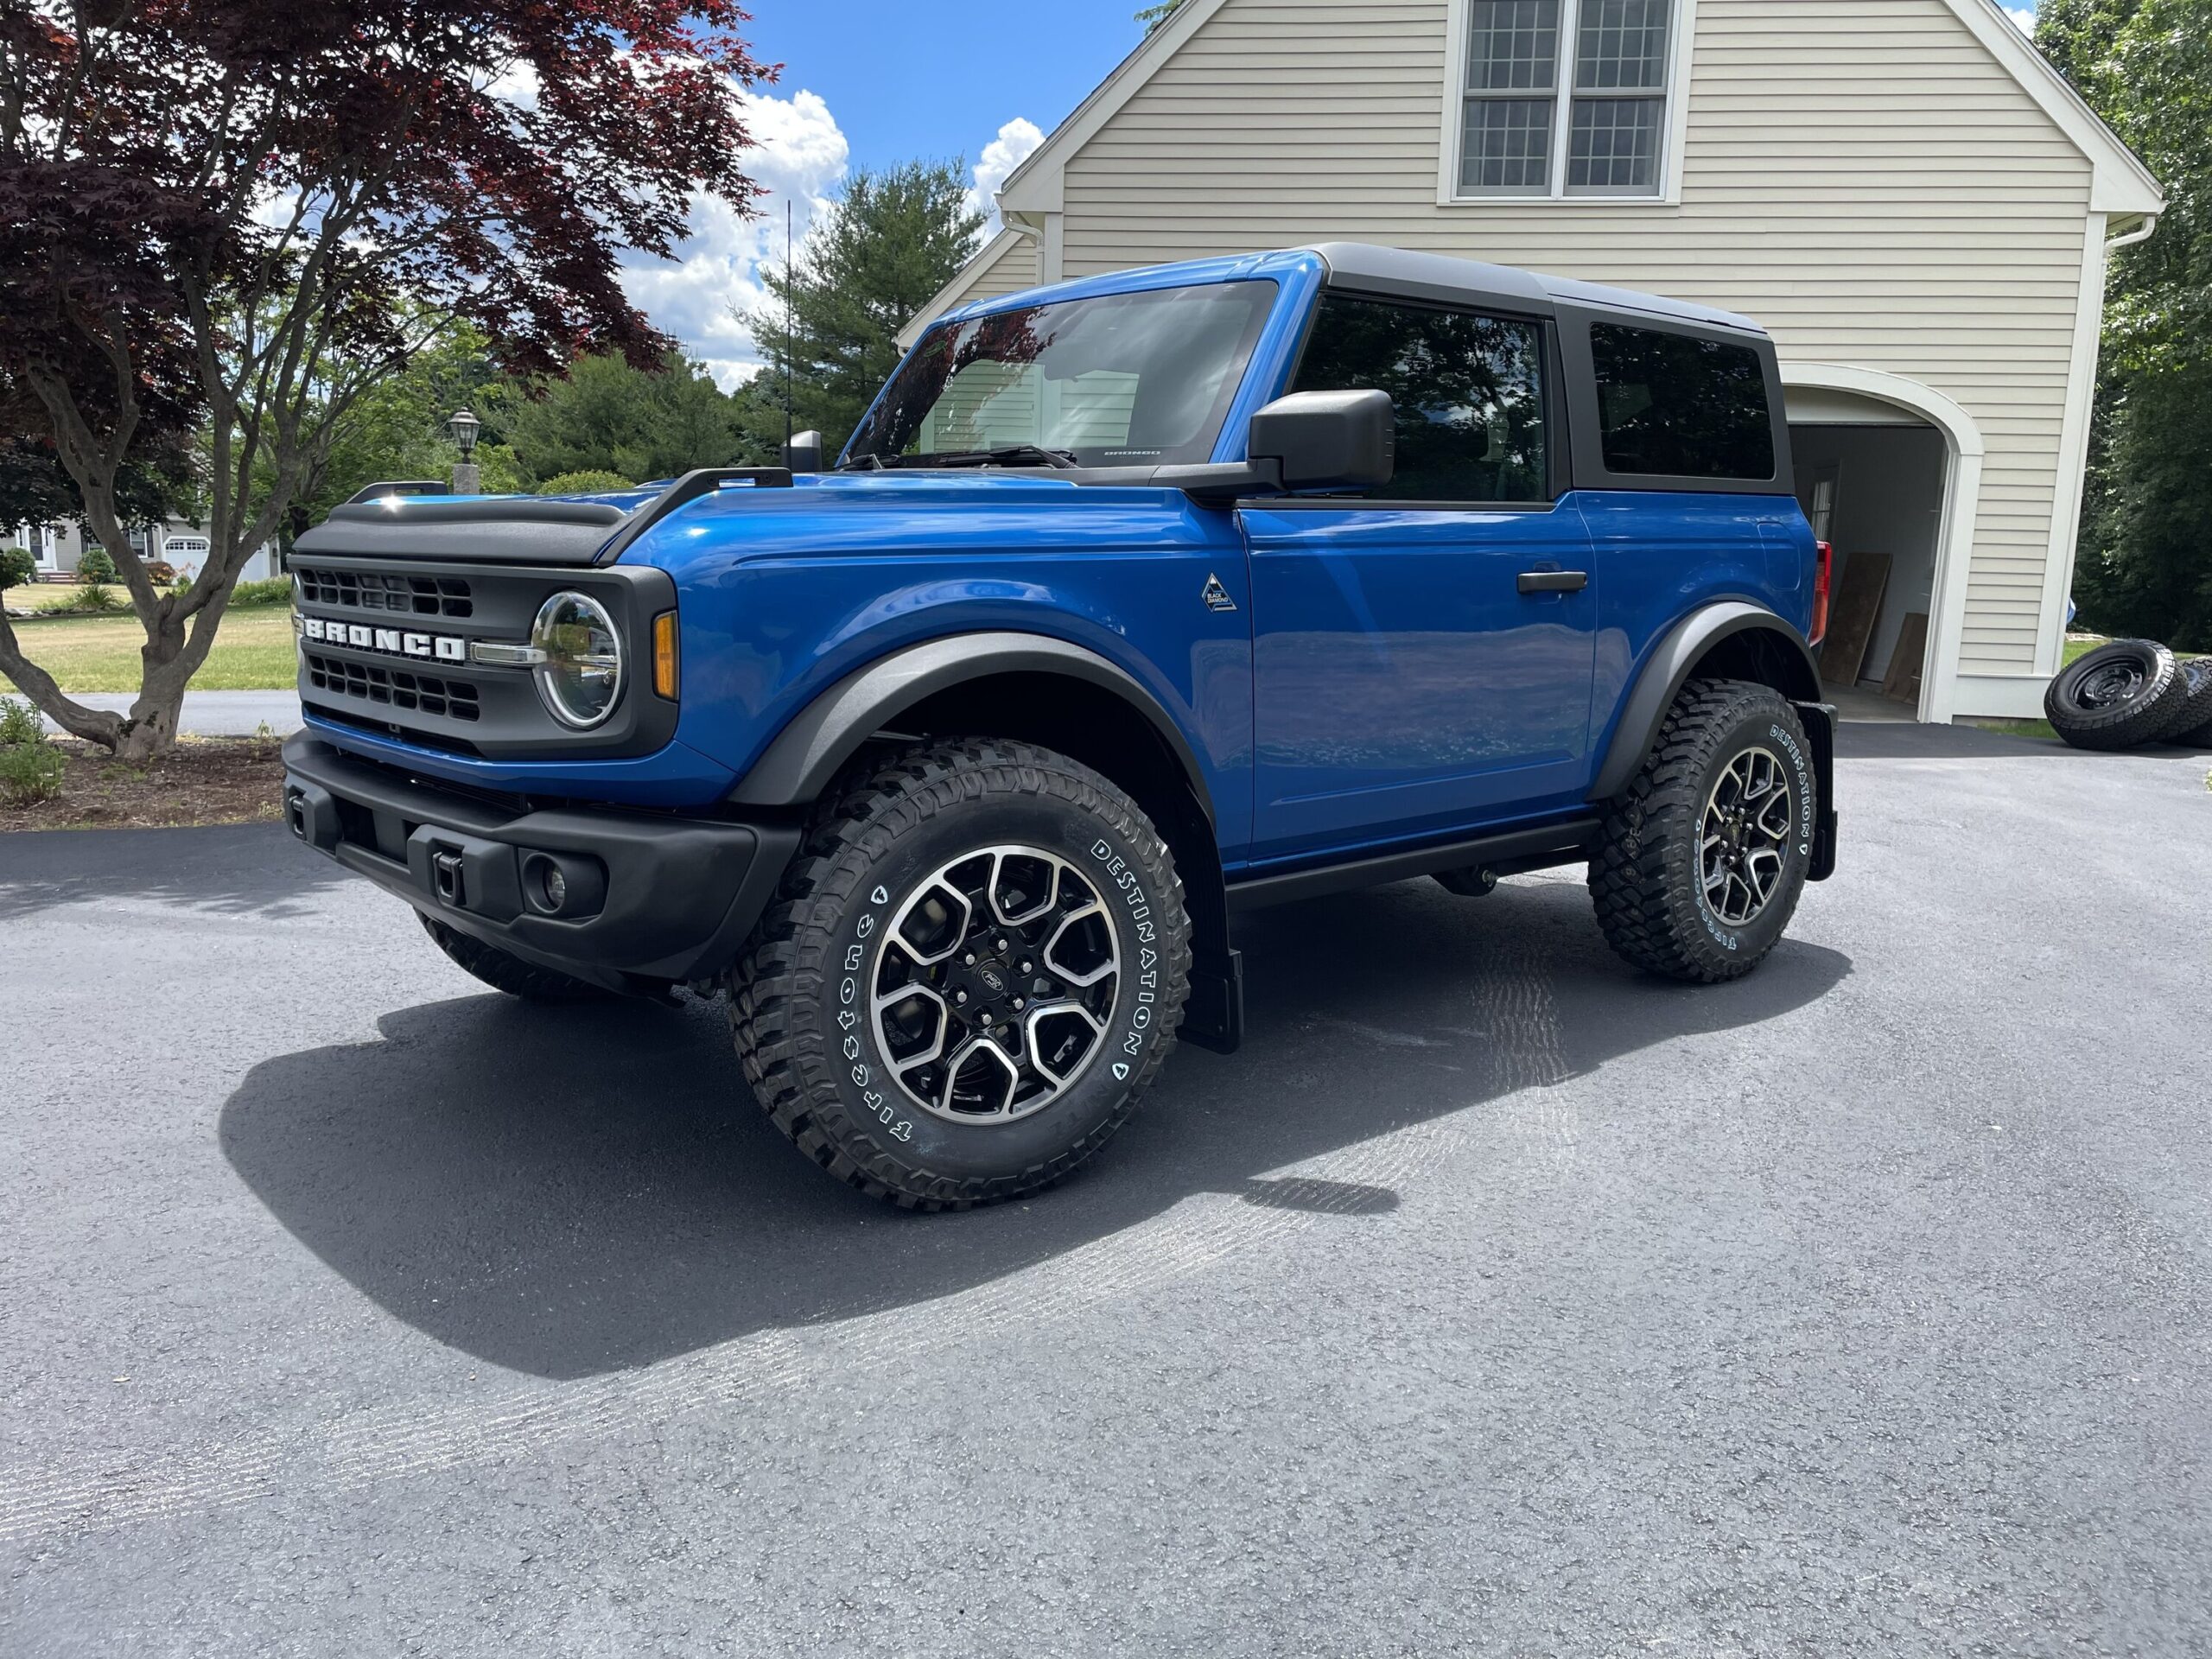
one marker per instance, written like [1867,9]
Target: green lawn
[253,651]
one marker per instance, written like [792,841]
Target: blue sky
[866,83]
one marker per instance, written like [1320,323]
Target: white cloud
[517,85]
[799,154]
[2024,17]
[1017,141]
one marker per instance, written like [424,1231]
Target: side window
[1675,406]
[1470,392]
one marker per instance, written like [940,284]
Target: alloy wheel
[1744,851]
[992,988]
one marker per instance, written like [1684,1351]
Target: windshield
[1127,380]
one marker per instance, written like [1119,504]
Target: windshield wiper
[1010,453]
[865,462]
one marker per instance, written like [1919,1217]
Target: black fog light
[566,885]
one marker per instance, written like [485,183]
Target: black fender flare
[1668,669]
[817,742]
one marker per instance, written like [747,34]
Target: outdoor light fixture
[465,427]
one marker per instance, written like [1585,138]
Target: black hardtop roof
[1443,277]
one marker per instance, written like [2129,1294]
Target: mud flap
[1819,720]
[1213,1017]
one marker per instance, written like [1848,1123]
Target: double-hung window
[1566,98]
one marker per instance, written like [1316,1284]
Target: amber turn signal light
[664,655]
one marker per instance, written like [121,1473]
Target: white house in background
[59,548]
[1902,190]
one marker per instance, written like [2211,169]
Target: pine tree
[883,253]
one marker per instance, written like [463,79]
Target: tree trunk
[155,715]
[93,725]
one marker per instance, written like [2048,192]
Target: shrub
[96,566]
[162,573]
[277,591]
[585,483]
[19,723]
[29,774]
[97,598]
[17,568]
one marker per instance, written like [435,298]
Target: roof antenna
[788,341]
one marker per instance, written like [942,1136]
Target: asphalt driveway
[1494,1301]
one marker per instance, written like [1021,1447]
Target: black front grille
[397,688]
[368,590]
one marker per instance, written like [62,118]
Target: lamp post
[467,481]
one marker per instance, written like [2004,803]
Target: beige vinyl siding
[1860,176]
[1012,269]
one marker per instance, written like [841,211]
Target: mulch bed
[207,780]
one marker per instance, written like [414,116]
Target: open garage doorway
[1872,479]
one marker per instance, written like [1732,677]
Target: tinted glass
[1469,391]
[1674,407]
[1133,379]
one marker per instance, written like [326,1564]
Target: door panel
[1403,683]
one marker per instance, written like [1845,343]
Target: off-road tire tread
[1650,919]
[2192,727]
[779,985]
[508,973]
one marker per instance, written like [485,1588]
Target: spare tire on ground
[2192,727]
[2118,696]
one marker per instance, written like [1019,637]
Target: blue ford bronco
[1131,603]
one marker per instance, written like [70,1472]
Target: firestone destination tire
[508,973]
[975,967]
[1702,859]
[2118,696]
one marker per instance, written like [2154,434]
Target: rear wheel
[503,971]
[1701,861]
[976,966]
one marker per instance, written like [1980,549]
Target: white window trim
[1448,194]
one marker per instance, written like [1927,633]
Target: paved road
[1496,1301]
[216,714]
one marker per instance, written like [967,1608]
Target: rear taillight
[1823,584]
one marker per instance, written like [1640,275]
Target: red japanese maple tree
[230,217]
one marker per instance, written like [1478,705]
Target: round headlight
[580,678]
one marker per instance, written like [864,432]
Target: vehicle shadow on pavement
[242,869]
[568,1191]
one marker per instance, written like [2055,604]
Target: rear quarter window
[1676,406]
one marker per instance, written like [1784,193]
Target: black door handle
[1554,581]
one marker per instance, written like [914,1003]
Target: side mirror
[803,452]
[1328,440]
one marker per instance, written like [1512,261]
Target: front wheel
[1701,861]
[976,966]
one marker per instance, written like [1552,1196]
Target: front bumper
[643,900]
